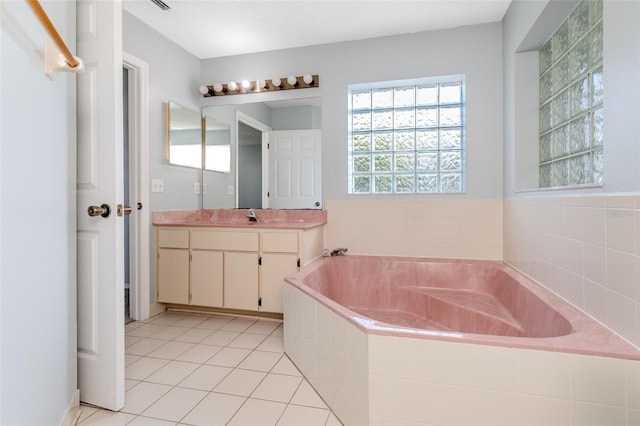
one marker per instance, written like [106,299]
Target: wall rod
[53,33]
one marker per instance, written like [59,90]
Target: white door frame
[139,290]
[264,129]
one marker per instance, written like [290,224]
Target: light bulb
[276,82]
[246,84]
[292,80]
[217,87]
[204,90]
[232,86]
[261,84]
[307,78]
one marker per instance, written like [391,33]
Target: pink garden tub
[356,326]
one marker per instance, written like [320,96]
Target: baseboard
[73,412]
[156,308]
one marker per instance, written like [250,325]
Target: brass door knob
[104,210]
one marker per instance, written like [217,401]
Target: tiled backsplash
[451,228]
[586,249]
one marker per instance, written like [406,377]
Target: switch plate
[196,187]
[230,189]
[157,185]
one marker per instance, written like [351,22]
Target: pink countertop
[237,218]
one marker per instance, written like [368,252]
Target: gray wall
[38,377]
[475,51]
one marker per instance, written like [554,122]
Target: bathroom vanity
[219,259]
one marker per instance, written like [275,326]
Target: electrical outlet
[157,185]
[196,187]
[230,189]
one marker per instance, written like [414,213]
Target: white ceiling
[215,28]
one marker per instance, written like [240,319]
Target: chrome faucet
[251,215]
[339,251]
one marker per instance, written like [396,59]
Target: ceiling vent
[162,5]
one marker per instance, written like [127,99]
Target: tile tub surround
[384,379]
[278,219]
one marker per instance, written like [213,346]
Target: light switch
[230,189]
[196,187]
[157,185]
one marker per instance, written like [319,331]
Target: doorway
[252,166]
[136,187]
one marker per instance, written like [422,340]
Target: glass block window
[407,137]
[571,93]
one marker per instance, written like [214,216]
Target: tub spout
[251,215]
[339,251]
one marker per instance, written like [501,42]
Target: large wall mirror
[183,136]
[274,155]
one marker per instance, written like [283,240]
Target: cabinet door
[173,276]
[241,281]
[275,266]
[206,278]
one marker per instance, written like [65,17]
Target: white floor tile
[130,340]
[256,412]
[130,359]
[86,411]
[238,324]
[220,338]
[128,384]
[168,318]
[295,415]
[205,378]
[278,331]
[215,409]
[199,353]
[108,418]
[132,326]
[247,341]
[145,330]
[228,357]
[140,397]
[306,395]
[333,420]
[169,333]
[148,421]
[240,382]
[260,361]
[144,346]
[214,323]
[175,404]
[172,373]
[285,366]
[194,335]
[171,350]
[191,321]
[142,368]
[277,387]
[272,344]
[263,327]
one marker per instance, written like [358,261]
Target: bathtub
[392,340]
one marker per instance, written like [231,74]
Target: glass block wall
[571,93]
[407,139]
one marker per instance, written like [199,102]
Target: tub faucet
[339,251]
[251,215]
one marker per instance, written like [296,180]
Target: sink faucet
[251,215]
[339,251]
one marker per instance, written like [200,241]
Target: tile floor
[193,369]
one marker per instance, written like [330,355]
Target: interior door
[295,176]
[100,238]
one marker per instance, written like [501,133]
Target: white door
[100,181]
[295,180]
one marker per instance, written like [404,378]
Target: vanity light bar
[258,86]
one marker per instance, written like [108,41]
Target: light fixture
[258,86]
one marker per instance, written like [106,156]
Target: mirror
[246,185]
[184,136]
[217,145]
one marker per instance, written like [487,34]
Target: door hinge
[259,301]
[267,194]
[190,257]
[268,145]
[298,263]
[260,260]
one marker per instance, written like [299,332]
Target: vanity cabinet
[231,268]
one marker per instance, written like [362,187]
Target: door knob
[123,210]
[104,210]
